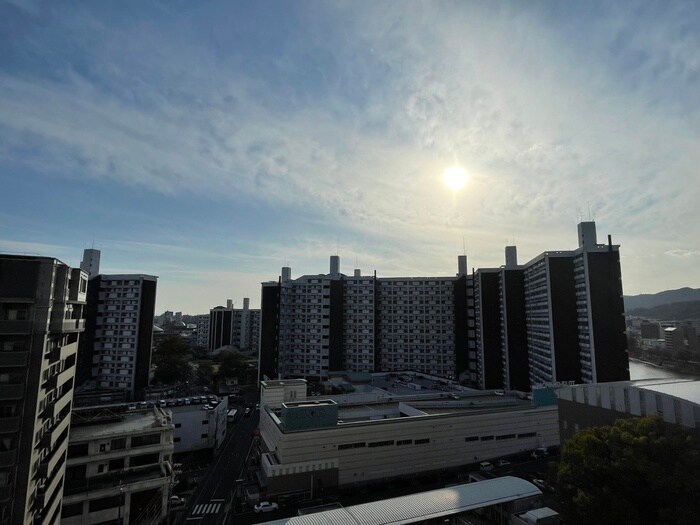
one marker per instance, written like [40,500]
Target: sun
[455,178]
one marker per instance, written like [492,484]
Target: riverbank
[645,369]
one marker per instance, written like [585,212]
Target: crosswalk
[206,508]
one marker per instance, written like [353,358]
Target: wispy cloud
[342,118]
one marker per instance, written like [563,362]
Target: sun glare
[455,178]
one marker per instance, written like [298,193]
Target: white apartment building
[203,330]
[329,322]
[119,466]
[417,325]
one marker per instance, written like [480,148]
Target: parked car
[538,453]
[485,466]
[499,392]
[176,500]
[502,463]
[162,403]
[247,412]
[265,506]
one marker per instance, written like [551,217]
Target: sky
[211,143]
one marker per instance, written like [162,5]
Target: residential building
[559,317]
[650,330]
[575,313]
[320,323]
[203,330]
[231,327]
[324,443]
[200,424]
[116,350]
[673,337]
[119,466]
[41,317]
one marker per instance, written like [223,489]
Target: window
[351,445]
[205,421]
[527,435]
[146,459]
[75,451]
[74,509]
[379,444]
[176,440]
[422,441]
[505,436]
[116,464]
[103,447]
[143,441]
[471,438]
[104,503]
[404,442]
[205,436]
[486,438]
[178,425]
[118,444]
[100,469]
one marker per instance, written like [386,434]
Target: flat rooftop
[129,423]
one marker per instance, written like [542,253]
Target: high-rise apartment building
[41,317]
[234,327]
[116,349]
[558,317]
[320,323]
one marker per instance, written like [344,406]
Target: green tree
[170,359]
[234,364]
[638,470]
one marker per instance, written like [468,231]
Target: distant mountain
[632,302]
[670,312]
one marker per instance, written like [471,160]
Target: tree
[234,364]
[171,361]
[639,470]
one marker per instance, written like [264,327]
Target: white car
[265,506]
[502,463]
[485,466]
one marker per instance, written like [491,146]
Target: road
[209,502]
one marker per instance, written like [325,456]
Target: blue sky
[211,143]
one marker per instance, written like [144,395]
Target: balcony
[14,358]
[15,327]
[5,494]
[11,391]
[9,425]
[67,325]
[114,480]
[8,458]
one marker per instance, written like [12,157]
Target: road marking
[207,508]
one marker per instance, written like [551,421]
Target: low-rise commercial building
[119,466]
[315,444]
[677,401]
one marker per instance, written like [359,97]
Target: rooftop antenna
[589,211]
[464,246]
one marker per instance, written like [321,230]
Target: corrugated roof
[424,505]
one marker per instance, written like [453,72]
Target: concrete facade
[41,317]
[677,401]
[199,428]
[373,441]
[119,467]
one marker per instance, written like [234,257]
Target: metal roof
[423,505]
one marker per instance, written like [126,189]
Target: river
[640,370]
